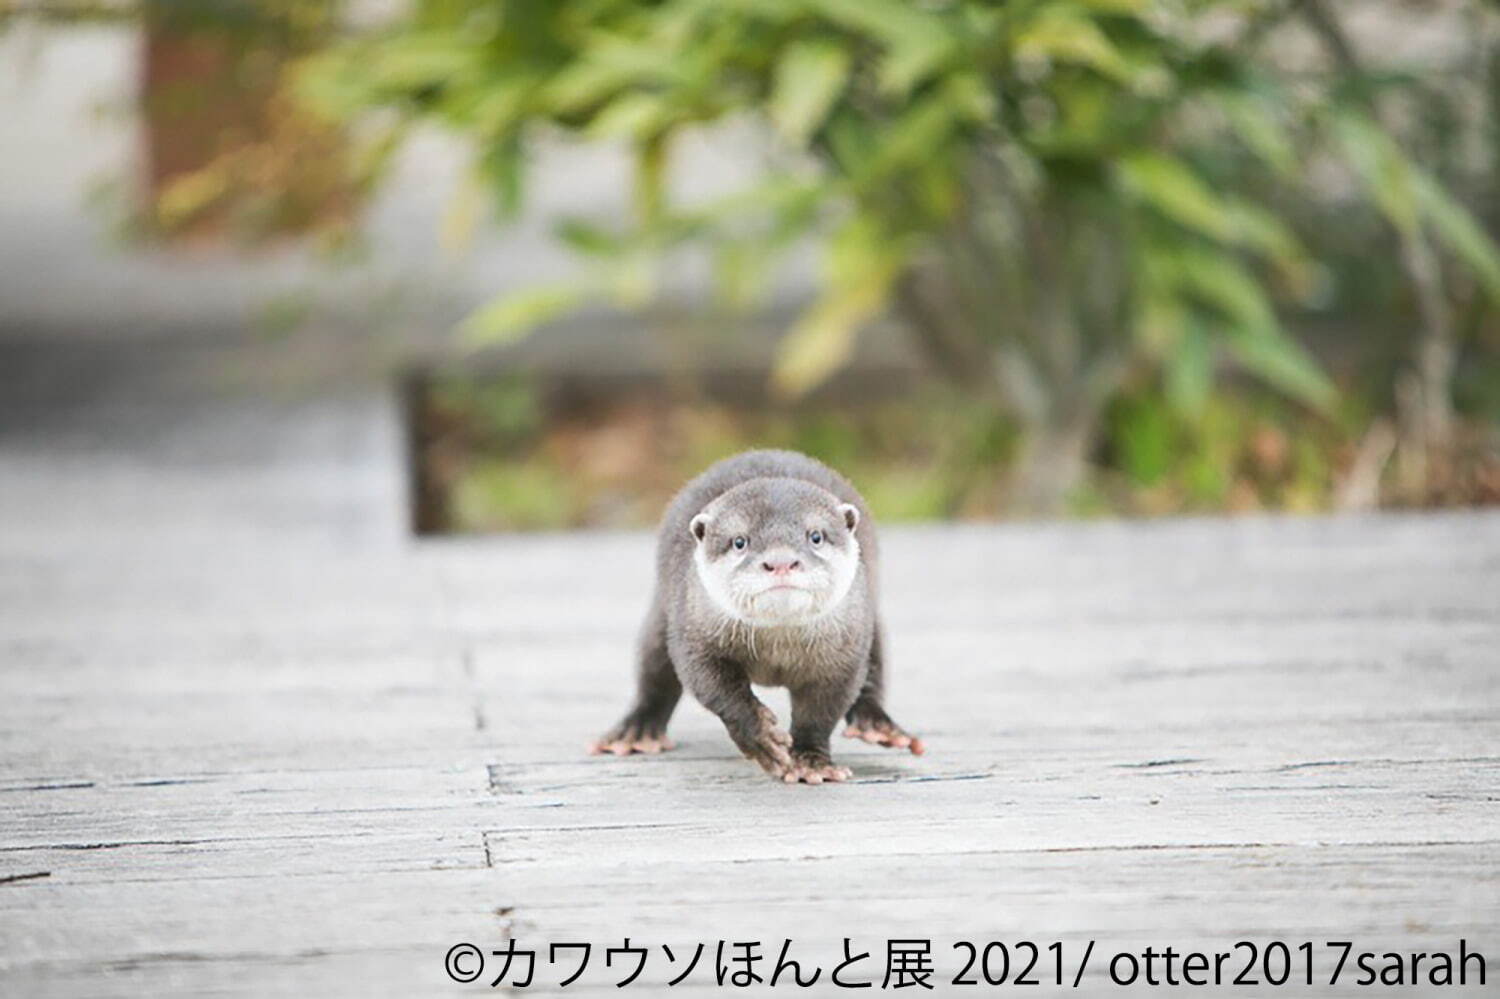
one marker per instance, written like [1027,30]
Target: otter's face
[768,565]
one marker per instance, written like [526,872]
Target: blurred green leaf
[1258,127]
[610,63]
[915,40]
[891,21]
[421,60]
[1257,229]
[501,106]
[504,163]
[862,264]
[1145,440]
[512,317]
[820,341]
[912,61]
[1251,330]
[650,178]
[1062,33]
[1381,165]
[1460,233]
[1189,371]
[584,84]
[808,80]
[587,238]
[632,115]
[916,138]
[1172,189]
[1117,6]
[1273,355]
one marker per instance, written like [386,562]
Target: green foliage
[503,495]
[1054,166]
[1243,450]
[507,461]
[501,413]
[1410,198]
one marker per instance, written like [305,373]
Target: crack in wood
[1386,761]
[922,778]
[1268,845]
[6,879]
[111,846]
[353,834]
[1208,846]
[1450,796]
[591,827]
[1301,788]
[194,957]
[49,787]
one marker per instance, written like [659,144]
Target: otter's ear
[851,515]
[699,526]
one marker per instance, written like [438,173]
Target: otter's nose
[780,567]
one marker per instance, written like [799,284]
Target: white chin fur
[775,606]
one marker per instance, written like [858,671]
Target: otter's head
[776,551]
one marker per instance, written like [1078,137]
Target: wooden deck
[255,741]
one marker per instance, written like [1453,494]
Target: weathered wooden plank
[1122,898]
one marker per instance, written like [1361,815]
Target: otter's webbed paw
[769,745]
[870,722]
[636,733]
[814,767]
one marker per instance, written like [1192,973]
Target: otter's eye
[815,536]
[740,543]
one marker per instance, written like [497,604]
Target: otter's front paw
[870,723]
[812,767]
[769,745]
[634,734]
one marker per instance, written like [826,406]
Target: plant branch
[1428,409]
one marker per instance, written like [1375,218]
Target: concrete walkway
[254,740]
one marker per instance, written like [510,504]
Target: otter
[765,574]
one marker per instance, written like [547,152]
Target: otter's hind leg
[867,718]
[644,727]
